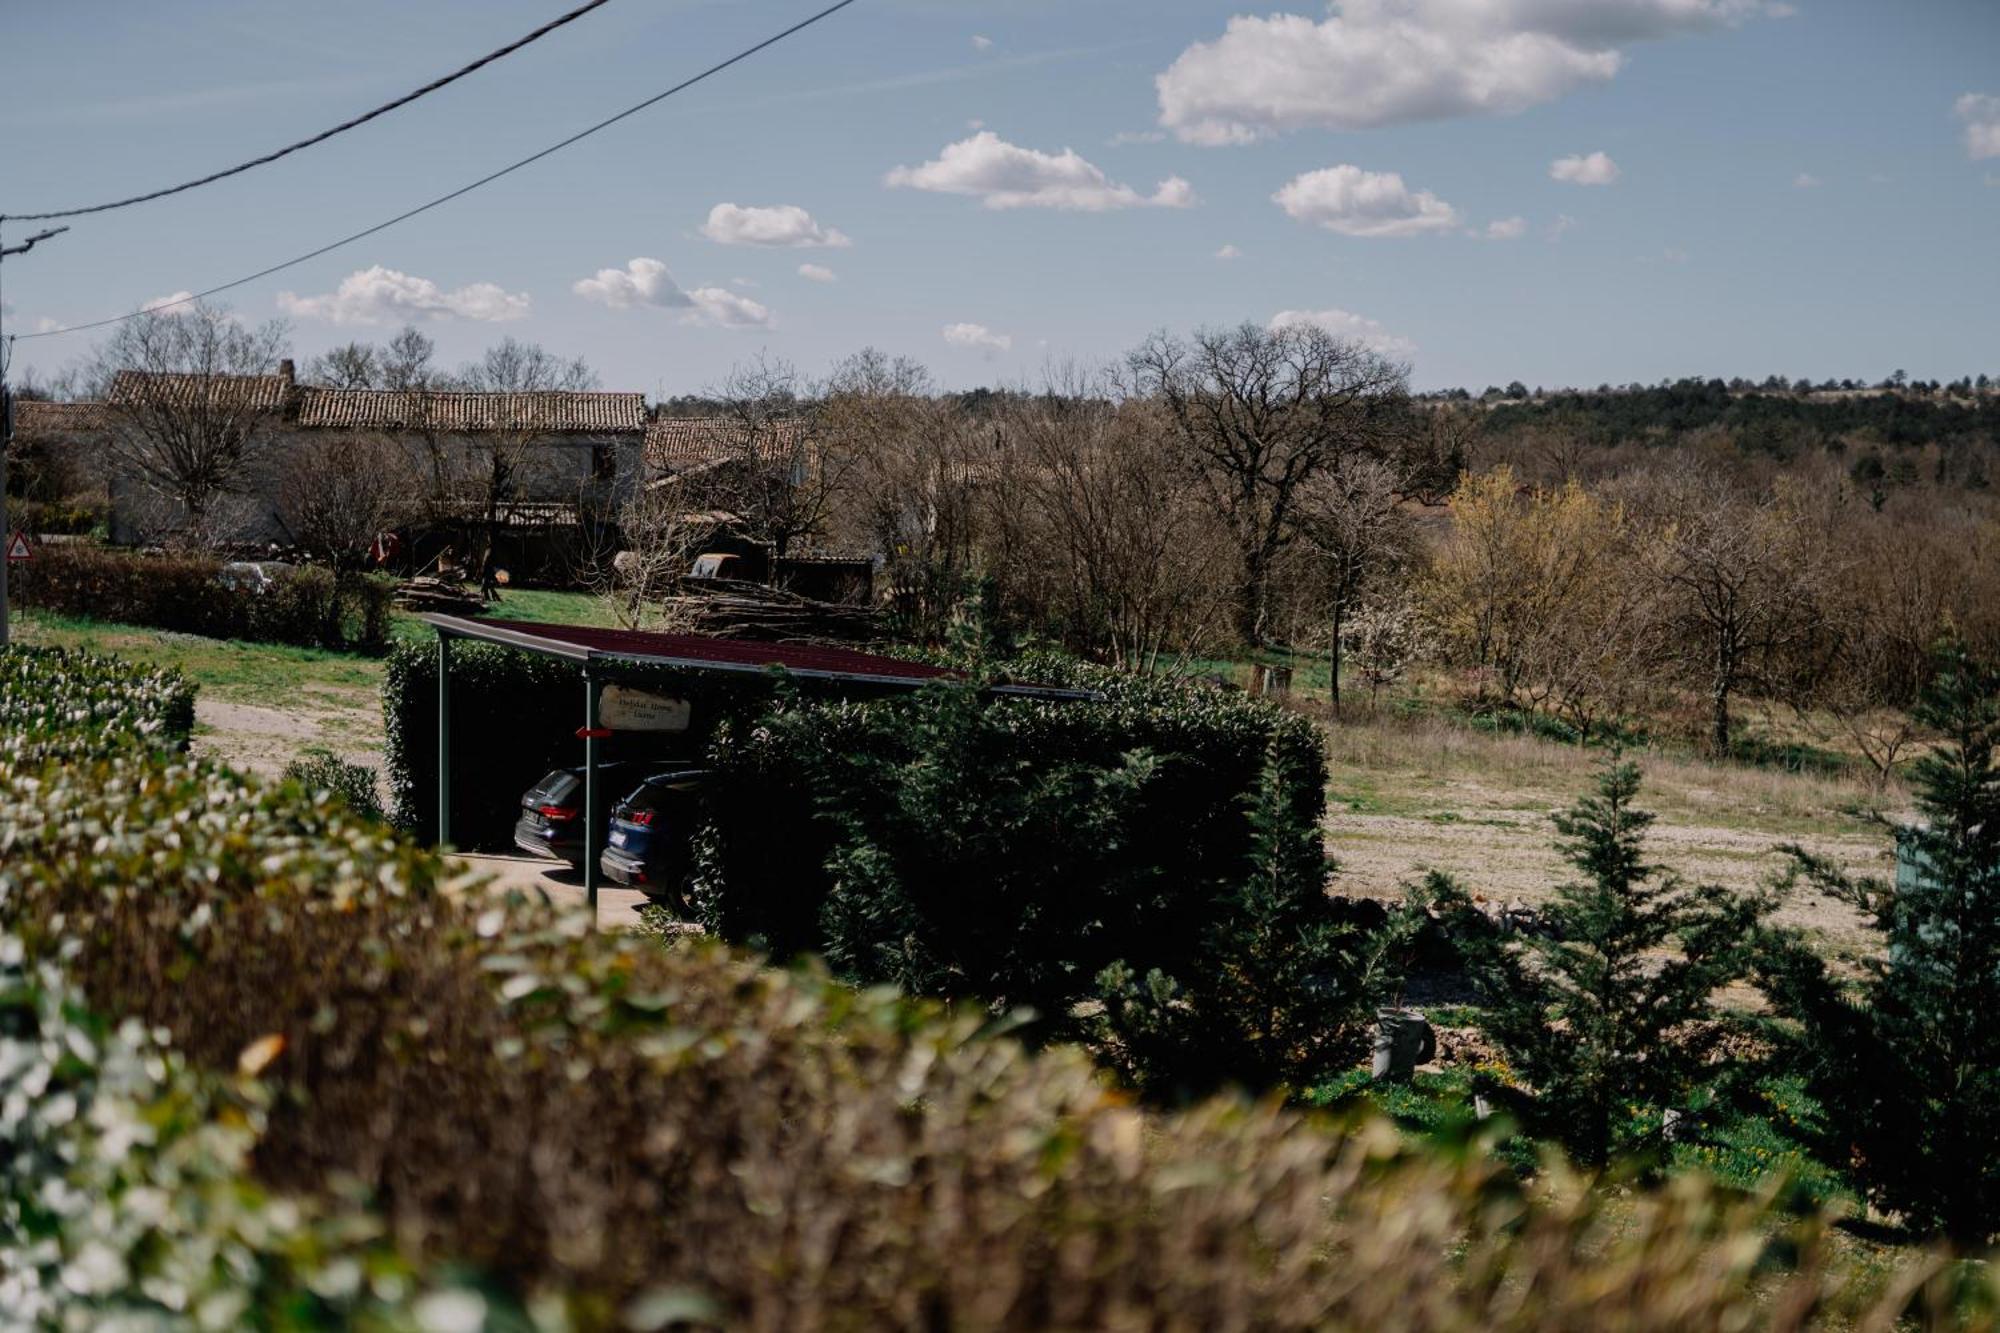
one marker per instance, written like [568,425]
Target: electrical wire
[606,123]
[324,135]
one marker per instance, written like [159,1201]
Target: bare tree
[191,409]
[1090,528]
[336,495]
[1739,578]
[782,478]
[502,457]
[1350,515]
[915,475]
[1259,412]
[350,366]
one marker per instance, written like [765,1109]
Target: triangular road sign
[18,549]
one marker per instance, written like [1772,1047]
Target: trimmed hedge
[618,1135]
[1052,856]
[62,704]
[308,607]
[126,1198]
[325,1094]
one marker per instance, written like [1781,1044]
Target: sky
[1564,192]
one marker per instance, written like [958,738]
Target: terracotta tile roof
[687,444]
[454,412]
[259,393]
[35,420]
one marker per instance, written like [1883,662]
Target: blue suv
[650,844]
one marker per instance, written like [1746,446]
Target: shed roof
[36,420]
[702,652]
[451,411]
[687,444]
[256,393]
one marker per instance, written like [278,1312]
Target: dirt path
[263,740]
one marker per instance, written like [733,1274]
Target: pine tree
[1282,991]
[1606,1014]
[1909,1065]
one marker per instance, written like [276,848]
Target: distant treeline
[1775,417]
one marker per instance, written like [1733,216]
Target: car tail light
[557,811]
[643,818]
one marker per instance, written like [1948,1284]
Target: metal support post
[444,739]
[593,812]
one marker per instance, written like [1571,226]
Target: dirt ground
[265,739]
[1406,800]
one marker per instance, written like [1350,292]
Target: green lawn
[240,672]
[546,607]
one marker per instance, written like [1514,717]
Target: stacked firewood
[441,596]
[735,609]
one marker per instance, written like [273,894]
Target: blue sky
[1750,186]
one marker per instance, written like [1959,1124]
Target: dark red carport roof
[702,652]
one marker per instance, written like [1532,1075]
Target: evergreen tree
[1609,1009]
[1908,1064]
[1281,991]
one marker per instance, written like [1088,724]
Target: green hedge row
[597,1132]
[309,607]
[1056,857]
[62,704]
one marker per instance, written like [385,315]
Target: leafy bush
[64,518]
[321,770]
[620,1135]
[1909,1067]
[1608,1015]
[66,704]
[308,607]
[1146,869]
[125,1198]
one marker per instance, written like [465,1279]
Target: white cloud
[47,325]
[174,299]
[725,309]
[981,42]
[1981,114]
[1506,229]
[1582,169]
[978,337]
[1562,226]
[1229,252]
[646,282]
[1354,202]
[1805,180]
[1003,175]
[381,295]
[1387,62]
[818,273]
[784,225]
[1349,327]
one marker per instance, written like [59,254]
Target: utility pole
[7,419]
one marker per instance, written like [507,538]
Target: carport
[603,656]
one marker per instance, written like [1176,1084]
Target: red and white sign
[18,548]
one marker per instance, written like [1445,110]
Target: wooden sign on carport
[622,708]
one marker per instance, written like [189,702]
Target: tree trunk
[1250,600]
[1720,725]
[1333,655]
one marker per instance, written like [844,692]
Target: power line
[324,135]
[633,110]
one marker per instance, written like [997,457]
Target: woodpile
[443,597]
[734,609]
